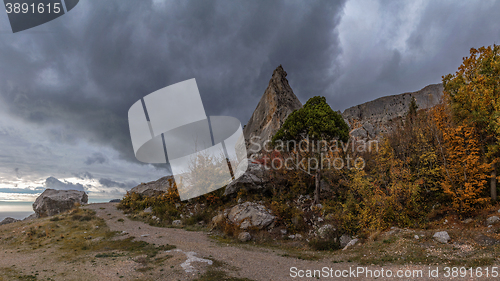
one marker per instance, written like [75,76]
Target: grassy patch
[7,274]
[216,272]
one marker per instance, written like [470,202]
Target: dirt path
[190,260]
[255,263]
[248,262]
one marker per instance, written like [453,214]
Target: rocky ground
[99,242]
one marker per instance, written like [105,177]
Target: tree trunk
[317,190]
[493,183]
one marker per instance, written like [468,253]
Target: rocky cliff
[274,107]
[374,118]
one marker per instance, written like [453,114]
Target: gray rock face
[8,220]
[244,237]
[253,179]
[52,202]
[154,188]
[492,220]
[276,104]
[442,237]
[31,217]
[250,214]
[376,117]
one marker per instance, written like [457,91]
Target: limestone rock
[344,240]
[244,237]
[325,231]
[154,188]
[8,220]
[276,104]
[52,202]
[253,179]
[442,237]
[376,117]
[31,217]
[249,215]
[350,244]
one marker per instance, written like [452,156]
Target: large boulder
[52,202]
[253,179]
[154,188]
[249,215]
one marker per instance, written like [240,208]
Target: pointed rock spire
[274,107]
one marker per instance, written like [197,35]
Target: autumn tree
[474,95]
[314,123]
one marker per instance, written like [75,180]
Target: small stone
[244,237]
[467,221]
[145,235]
[320,219]
[492,220]
[344,240]
[442,237]
[177,223]
[351,243]
[283,231]
[291,236]
[298,236]
[416,237]
[148,210]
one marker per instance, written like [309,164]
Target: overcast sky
[66,86]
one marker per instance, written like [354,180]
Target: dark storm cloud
[392,47]
[91,65]
[84,176]
[54,183]
[97,157]
[110,183]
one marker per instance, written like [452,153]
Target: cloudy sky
[66,86]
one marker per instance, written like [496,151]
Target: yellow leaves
[466,177]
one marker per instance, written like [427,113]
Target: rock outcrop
[8,220]
[154,188]
[253,179]
[373,119]
[276,104]
[249,214]
[52,202]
